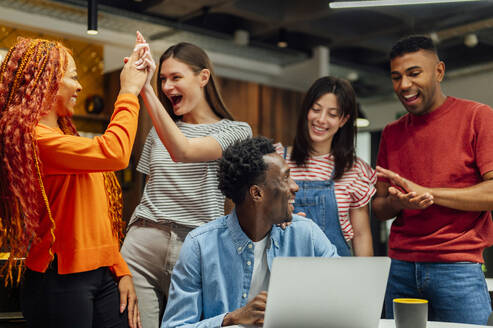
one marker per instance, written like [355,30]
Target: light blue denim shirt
[213,273]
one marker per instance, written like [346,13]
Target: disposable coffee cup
[410,312]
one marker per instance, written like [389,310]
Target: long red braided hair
[30,76]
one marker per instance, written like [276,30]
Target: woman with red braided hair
[60,201]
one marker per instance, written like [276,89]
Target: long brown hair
[342,147]
[197,60]
[30,76]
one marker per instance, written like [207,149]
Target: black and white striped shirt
[184,193]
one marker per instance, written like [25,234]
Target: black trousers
[79,300]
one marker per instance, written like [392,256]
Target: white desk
[385,323]
[489,283]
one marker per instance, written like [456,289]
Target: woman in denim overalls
[323,155]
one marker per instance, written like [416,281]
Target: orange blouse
[71,169]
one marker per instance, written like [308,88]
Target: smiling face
[416,80]
[68,90]
[183,87]
[324,120]
[279,190]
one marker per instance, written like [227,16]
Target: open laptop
[311,292]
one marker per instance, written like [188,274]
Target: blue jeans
[456,292]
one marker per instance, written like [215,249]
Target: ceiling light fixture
[282,41]
[434,37]
[92,17]
[471,40]
[381,3]
[241,37]
[352,76]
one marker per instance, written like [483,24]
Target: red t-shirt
[449,147]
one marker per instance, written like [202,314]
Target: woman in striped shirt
[335,185]
[192,127]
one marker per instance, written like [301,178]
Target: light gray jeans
[151,251]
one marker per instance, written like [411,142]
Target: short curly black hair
[242,166]
[412,44]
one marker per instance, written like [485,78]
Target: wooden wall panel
[278,113]
[242,99]
[271,112]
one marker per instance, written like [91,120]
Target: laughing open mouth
[319,129]
[410,98]
[175,99]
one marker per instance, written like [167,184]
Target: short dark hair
[242,165]
[343,142]
[412,44]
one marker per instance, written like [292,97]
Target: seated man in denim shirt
[222,274]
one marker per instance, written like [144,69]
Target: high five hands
[142,61]
[132,79]
[145,61]
[406,193]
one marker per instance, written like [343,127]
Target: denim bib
[318,200]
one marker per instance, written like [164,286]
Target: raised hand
[139,48]
[132,79]
[411,200]
[405,184]
[407,194]
[146,62]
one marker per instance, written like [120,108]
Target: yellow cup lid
[410,300]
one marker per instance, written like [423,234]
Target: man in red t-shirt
[435,168]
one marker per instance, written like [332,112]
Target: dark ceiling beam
[295,12]
[465,29]
[313,14]
[141,6]
[291,25]
[424,28]
[394,12]
[207,9]
[486,38]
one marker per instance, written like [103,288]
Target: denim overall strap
[318,200]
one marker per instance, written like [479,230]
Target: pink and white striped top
[354,189]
